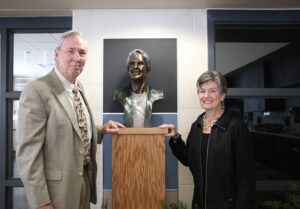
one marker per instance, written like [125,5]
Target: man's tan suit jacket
[50,150]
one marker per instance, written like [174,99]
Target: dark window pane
[259,65]
[274,126]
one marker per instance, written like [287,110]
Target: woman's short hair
[215,76]
[145,55]
[66,35]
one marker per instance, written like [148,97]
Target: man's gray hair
[215,76]
[142,52]
[66,35]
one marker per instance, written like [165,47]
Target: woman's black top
[204,143]
[230,180]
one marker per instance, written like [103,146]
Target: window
[26,54]
[263,85]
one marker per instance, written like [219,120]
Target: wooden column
[138,168]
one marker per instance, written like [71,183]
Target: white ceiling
[65,7]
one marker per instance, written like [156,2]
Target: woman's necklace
[213,122]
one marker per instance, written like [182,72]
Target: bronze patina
[138,97]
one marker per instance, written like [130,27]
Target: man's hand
[49,206]
[172,132]
[111,127]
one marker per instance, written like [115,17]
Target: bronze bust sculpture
[138,97]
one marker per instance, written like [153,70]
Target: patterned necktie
[82,122]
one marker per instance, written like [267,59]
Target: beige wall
[188,26]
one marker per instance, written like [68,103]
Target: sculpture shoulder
[156,94]
[121,93]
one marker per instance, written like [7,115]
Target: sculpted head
[138,63]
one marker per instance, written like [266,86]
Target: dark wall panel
[163,74]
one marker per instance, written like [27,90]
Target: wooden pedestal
[138,168]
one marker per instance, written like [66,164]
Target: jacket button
[81,152]
[80,173]
[230,200]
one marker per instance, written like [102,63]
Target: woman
[217,151]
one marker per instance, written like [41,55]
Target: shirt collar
[67,84]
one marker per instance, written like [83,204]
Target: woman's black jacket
[230,176]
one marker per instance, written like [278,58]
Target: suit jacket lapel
[61,94]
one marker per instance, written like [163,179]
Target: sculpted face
[71,57]
[137,68]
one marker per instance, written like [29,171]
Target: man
[138,97]
[56,153]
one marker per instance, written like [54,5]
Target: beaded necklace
[213,122]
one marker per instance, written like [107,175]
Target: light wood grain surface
[138,168]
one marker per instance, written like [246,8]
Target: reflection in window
[274,126]
[33,57]
[255,63]
[19,198]
[259,65]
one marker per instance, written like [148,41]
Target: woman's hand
[172,132]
